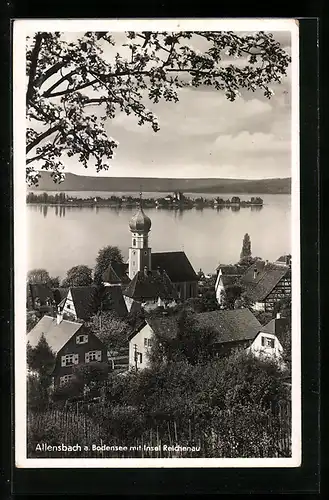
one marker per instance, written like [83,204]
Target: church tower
[139,251]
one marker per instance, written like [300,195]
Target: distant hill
[74,182]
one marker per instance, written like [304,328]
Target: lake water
[62,237]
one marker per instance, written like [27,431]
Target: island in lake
[177,200]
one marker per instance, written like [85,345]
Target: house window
[147,342]
[70,359]
[65,379]
[68,306]
[82,339]
[134,242]
[268,342]
[145,253]
[93,356]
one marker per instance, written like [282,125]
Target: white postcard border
[22,28]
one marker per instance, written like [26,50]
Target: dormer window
[82,339]
[268,342]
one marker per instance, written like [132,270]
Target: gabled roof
[60,294]
[112,300]
[231,270]
[261,277]
[150,285]
[116,273]
[55,335]
[164,326]
[231,325]
[278,327]
[228,280]
[176,265]
[86,300]
[41,291]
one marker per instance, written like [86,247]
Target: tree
[231,297]
[38,276]
[103,259]
[78,276]
[111,330]
[41,357]
[41,276]
[67,81]
[246,247]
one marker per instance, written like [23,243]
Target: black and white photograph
[156,221]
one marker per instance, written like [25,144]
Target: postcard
[156,242]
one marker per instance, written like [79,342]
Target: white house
[267,343]
[226,275]
[139,346]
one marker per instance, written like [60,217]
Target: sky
[205,135]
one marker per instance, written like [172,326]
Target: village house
[175,266]
[234,329]
[269,341]
[71,343]
[82,302]
[150,289]
[40,298]
[227,275]
[266,283]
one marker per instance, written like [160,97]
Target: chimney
[59,317]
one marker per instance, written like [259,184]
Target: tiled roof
[112,300]
[164,326]
[278,327]
[55,335]
[176,265]
[60,294]
[230,270]
[116,273]
[152,285]
[267,277]
[229,279]
[86,300]
[231,325]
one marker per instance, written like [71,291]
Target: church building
[160,273]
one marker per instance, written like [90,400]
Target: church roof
[230,269]
[261,277]
[150,285]
[176,265]
[140,222]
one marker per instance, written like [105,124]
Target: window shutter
[272,343]
[76,359]
[263,341]
[87,357]
[63,361]
[99,355]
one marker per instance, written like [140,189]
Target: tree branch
[33,67]
[40,137]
